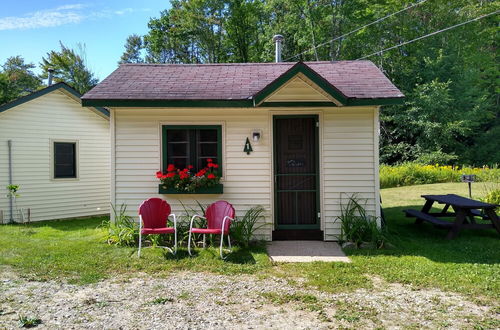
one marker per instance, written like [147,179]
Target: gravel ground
[207,301]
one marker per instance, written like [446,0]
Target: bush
[412,173]
[358,227]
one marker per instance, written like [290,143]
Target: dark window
[191,145]
[64,160]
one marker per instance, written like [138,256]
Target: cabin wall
[32,127]
[347,154]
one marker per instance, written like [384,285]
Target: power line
[358,29]
[429,35]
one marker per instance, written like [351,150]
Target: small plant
[185,180]
[242,231]
[29,322]
[358,227]
[161,301]
[12,192]
[123,230]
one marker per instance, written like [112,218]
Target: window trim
[52,159]
[164,147]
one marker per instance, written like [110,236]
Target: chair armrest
[224,222]
[192,220]
[175,220]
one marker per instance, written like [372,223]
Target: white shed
[57,152]
[312,128]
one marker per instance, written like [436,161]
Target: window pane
[208,150]
[177,135]
[64,160]
[178,149]
[208,135]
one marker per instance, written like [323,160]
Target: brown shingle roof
[234,81]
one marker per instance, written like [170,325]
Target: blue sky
[31,28]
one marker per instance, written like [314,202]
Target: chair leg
[140,244]
[229,242]
[175,242]
[221,242]
[189,244]
[204,241]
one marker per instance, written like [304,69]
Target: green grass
[75,250]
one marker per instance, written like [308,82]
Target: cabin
[296,138]
[58,153]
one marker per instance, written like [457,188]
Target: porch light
[256,135]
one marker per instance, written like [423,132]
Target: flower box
[217,189]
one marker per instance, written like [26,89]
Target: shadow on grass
[66,225]
[425,240]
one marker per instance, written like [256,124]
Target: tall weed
[243,230]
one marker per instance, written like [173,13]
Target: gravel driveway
[207,301]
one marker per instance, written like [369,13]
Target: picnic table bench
[464,211]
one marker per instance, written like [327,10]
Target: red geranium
[171,167]
[170,175]
[211,176]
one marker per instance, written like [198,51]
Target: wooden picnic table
[464,211]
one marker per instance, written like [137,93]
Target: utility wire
[430,34]
[358,29]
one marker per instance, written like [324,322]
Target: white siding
[32,126]
[347,158]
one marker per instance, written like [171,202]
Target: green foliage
[413,174]
[357,227]
[70,67]
[29,322]
[13,190]
[493,197]
[243,229]
[133,48]
[123,231]
[17,79]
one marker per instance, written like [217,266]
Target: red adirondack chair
[219,216]
[153,220]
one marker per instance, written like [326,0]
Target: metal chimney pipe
[51,72]
[278,39]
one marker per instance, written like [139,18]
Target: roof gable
[65,88]
[298,89]
[318,88]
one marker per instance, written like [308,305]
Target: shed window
[191,145]
[64,160]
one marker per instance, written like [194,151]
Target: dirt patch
[201,301]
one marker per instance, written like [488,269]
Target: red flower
[210,164]
[159,174]
[216,165]
[209,160]
[171,167]
[211,176]
[190,167]
[185,170]
[169,175]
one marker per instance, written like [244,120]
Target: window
[192,145]
[64,160]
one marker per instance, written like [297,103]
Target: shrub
[412,173]
[358,227]
[242,231]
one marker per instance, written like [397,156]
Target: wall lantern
[256,135]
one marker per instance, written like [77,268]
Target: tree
[17,79]
[70,67]
[133,48]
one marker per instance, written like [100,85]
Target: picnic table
[465,211]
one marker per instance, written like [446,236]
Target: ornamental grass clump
[359,228]
[187,180]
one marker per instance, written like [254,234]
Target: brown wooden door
[296,172]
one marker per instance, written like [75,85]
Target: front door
[296,177]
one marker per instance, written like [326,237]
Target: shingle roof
[234,81]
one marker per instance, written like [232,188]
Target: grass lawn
[75,250]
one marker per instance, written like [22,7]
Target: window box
[218,189]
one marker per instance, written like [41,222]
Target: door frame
[316,226]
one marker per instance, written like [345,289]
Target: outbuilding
[57,152]
[296,138]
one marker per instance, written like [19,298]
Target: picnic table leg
[494,218]
[459,220]
[425,209]
[445,209]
